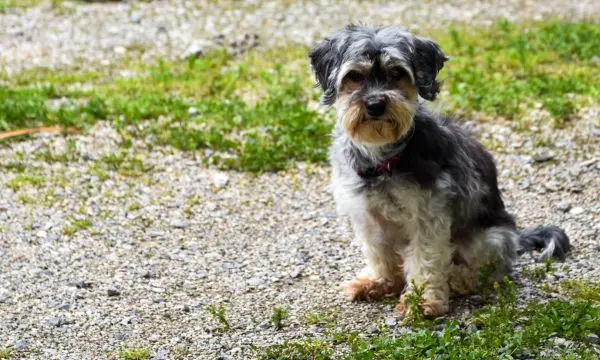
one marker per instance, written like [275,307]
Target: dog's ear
[428,60]
[325,60]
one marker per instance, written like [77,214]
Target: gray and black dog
[421,194]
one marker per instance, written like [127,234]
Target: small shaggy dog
[422,195]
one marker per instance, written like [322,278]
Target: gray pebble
[391,321]
[578,210]
[564,206]
[82,284]
[179,223]
[155,233]
[112,292]
[161,354]
[53,321]
[64,306]
[21,345]
[136,18]
[593,339]
[542,158]
[220,180]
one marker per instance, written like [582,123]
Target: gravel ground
[164,245]
[71,34]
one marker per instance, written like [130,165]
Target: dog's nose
[375,106]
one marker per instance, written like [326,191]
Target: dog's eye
[397,73]
[355,76]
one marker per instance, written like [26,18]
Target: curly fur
[437,217]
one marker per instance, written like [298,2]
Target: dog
[421,194]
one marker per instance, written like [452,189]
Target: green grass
[254,111]
[10,4]
[219,313]
[22,180]
[581,290]
[506,70]
[134,354]
[77,225]
[6,354]
[503,330]
[278,316]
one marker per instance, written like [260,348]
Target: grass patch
[17,4]
[278,316]
[508,69]
[121,163]
[219,313]
[502,330]
[15,166]
[254,112]
[6,354]
[327,318]
[134,354]
[581,290]
[22,180]
[77,225]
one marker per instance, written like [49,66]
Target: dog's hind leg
[486,257]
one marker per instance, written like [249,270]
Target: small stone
[112,292]
[120,50]
[391,321]
[64,306]
[576,189]
[220,180]
[186,309]
[21,345]
[255,281]
[576,210]
[228,266]
[41,234]
[155,233]
[161,354]
[373,329]
[192,111]
[564,206]
[136,18]
[52,238]
[193,51]
[3,299]
[82,284]
[593,339]
[179,223]
[53,321]
[542,158]
[471,328]
[149,275]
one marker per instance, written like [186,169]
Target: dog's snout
[375,106]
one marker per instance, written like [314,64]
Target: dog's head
[373,76]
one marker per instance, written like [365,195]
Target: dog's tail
[554,242]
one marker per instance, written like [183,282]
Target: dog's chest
[398,202]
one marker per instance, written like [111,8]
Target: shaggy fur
[421,194]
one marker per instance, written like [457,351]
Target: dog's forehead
[390,45]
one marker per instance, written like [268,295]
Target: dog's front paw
[363,289]
[429,308]
[434,308]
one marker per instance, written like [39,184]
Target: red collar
[383,168]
